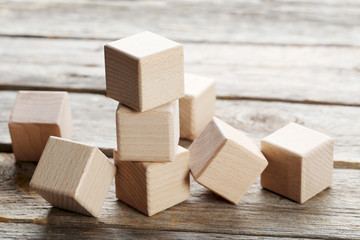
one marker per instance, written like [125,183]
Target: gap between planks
[9,87]
[244,43]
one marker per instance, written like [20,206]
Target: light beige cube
[197,107]
[300,162]
[73,176]
[149,136]
[35,117]
[225,160]
[144,71]
[153,187]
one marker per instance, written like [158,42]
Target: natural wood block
[153,187]
[73,176]
[225,160]
[300,162]
[144,71]
[35,117]
[197,107]
[149,136]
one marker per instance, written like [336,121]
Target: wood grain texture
[300,162]
[325,22]
[197,107]
[279,73]
[333,213]
[148,136]
[256,118]
[153,187]
[259,119]
[35,117]
[144,71]
[225,160]
[95,231]
[73,176]
[7,167]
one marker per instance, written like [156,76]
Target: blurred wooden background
[274,62]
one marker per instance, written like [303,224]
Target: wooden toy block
[153,187]
[35,117]
[144,71]
[197,107]
[300,162]
[225,160]
[149,136]
[73,176]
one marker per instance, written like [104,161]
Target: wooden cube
[35,117]
[73,176]
[144,71]
[149,136]
[153,187]
[197,107]
[225,160]
[300,162]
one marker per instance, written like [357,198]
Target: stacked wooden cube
[145,73]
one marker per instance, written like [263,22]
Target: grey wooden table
[274,62]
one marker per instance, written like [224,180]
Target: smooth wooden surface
[300,162]
[197,107]
[273,62]
[35,117]
[153,187]
[144,71]
[73,176]
[148,136]
[225,160]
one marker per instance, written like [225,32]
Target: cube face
[317,170]
[148,136]
[225,161]
[29,140]
[153,187]
[283,174]
[235,168]
[197,107]
[122,78]
[203,149]
[73,176]
[39,107]
[300,162]
[36,116]
[144,71]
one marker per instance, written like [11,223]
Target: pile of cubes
[158,104]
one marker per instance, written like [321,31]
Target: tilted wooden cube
[225,160]
[149,136]
[300,162]
[73,176]
[35,117]
[144,71]
[197,107]
[153,187]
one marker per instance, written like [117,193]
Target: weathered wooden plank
[333,213]
[264,22]
[97,231]
[94,122]
[7,167]
[301,74]
[258,119]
